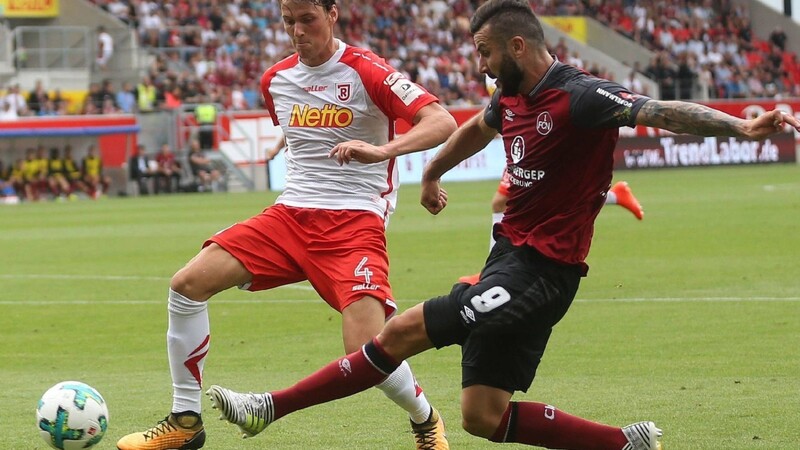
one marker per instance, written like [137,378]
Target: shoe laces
[256,414]
[162,427]
[256,405]
[425,437]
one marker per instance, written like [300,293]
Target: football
[72,415]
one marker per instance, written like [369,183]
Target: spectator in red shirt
[168,174]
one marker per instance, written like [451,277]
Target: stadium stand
[700,45]
[703,49]
[171,55]
[225,48]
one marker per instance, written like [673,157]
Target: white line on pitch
[304,287]
[29,276]
[147,302]
[782,187]
[39,276]
[267,301]
[689,299]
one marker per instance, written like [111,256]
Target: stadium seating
[716,37]
[220,49]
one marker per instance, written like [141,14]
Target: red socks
[346,376]
[523,422]
[545,426]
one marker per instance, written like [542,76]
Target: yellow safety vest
[205,113]
[147,97]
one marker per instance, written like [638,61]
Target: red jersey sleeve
[397,96]
[266,81]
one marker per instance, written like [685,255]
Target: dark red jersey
[559,141]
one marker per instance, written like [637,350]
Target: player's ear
[517,46]
[333,16]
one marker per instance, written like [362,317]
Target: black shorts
[205,137]
[504,321]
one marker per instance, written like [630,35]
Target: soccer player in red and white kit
[337,106]
[559,127]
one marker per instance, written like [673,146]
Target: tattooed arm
[692,118]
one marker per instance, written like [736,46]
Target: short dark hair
[327,5]
[508,18]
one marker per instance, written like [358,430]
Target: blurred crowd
[220,49]
[698,43]
[216,51]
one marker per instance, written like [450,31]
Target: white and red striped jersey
[355,95]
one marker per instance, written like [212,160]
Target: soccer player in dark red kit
[559,127]
[619,194]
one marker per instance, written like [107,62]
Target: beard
[510,75]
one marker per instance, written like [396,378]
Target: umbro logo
[344,366]
[468,315]
[509,115]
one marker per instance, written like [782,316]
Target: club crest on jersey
[544,123]
[517,149]
[343,91]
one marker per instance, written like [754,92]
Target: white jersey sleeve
[353,96]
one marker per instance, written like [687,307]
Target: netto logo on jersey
[544,123]
[330,116]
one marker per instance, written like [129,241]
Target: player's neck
[535,71]
[323,56]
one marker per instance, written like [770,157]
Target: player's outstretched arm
[692,118]
[432,125]
[470,138]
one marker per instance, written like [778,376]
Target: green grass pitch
[689,318]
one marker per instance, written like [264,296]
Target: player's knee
[188,284]
[180,282]
[479,423]
[398,327]
[404,335]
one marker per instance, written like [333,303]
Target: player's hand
[769,123]
[433,197]
[360,151]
